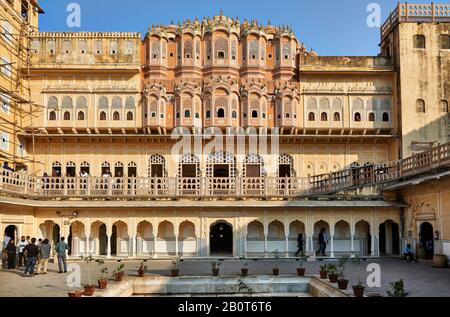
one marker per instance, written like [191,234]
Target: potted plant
[89,289]
[323,271]
[398,289]
[175,271]
[142,269]
[301,270]
[215,268]
[333,273]
[103,281]
[75,294]
[276,269]
[342,281]
[359,288]
[119,273]
[244,269]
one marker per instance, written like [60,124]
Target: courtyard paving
[421,280]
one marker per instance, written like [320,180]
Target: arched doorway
[427,240]
[103,240]
[113,240]
[221,239]
[56,234]
[363,238]
[11,232]
[389,238]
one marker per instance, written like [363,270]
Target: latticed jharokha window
[420,106]
[444,41]
[419,41]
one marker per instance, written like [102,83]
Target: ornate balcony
[18,184]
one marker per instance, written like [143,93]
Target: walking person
[322,242]
[32,253]
[300,244]
[44,256]
[11,251]
[21,246]
[61,249]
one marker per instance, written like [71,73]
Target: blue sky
[331,27]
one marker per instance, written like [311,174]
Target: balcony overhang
[206,205]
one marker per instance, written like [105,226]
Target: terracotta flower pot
[343,284]
[439,261]
[244,272]
[89,290]
[358,291]
[323,275]
[301,271]
[276,272]
[333,278]
[75,294]
[102,284]
[118,277]
[215,272]
[174,273]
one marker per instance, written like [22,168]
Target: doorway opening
[221,239]
[427,240]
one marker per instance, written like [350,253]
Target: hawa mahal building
[224,137]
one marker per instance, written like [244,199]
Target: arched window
[254,114]
[221,113]
[208,114]
[288,115]
[311,117]
[52,106]
[116,116]
[324,117]
[102,116]
[67,116]
[234,115]
[357,117]
[187,114]
[420,106]
[444,42]
[419,41]
[386,117]
[337,117]
[443,106]
[371,117]
[197,115]
[81,116]
[52,116]
[130,116]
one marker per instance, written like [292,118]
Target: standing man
[6,240]
[21,246]
[32,252]
[44,256]
[61,249]
[300,244]
[322,242]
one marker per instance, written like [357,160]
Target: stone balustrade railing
[151,188]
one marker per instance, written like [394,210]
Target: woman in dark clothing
[11,250]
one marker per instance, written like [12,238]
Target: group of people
[323,240]
[31,252]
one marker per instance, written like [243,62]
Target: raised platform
[260,286]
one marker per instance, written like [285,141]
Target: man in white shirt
[21,246]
